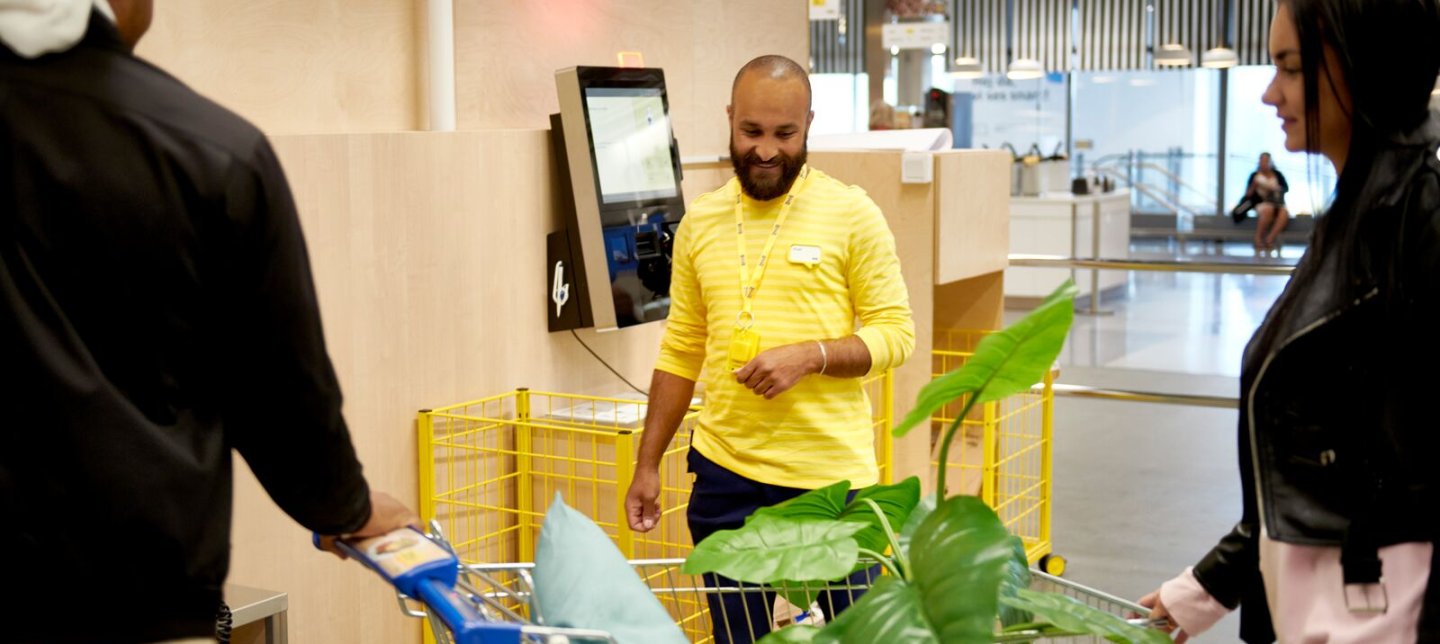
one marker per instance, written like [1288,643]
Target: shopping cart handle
[315,540]
[423,570]
[404,557]
[460,616]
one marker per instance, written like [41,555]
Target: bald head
[769,122]
[773,68]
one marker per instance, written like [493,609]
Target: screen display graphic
[631,135]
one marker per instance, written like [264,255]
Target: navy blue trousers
[720,500]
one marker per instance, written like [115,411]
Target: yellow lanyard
[748,286]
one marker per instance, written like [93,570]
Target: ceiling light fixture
[1173,55]
[967,67]
[1025,69]
[1019,68]
[1219,58]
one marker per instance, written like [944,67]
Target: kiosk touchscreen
[617,158]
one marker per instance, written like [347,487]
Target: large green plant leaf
[891,612]
[828,503]
[1015,578]
[1004,363]
[825,503]
[798,634]
[917,517]
[896,501]
[1072,616]
[958,555]
[773,548]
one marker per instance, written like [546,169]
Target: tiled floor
[1144,490]
[1192,323]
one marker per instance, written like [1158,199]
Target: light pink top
[1303,585]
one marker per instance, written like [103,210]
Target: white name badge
[807,255]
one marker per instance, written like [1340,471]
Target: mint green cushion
[582,581]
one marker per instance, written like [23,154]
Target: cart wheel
[1053,564]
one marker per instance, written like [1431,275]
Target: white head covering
[34,28]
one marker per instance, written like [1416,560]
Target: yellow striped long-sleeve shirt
[818,432]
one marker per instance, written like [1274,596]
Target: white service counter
[1088,226]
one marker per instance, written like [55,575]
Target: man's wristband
[824,357]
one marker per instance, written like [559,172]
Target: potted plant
[953,571]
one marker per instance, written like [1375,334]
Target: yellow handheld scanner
[744,346]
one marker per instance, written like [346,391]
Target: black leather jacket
[1338,431]
[156,312]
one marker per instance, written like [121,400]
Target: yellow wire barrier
[489,469]
[1002,453]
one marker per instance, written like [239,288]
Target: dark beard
[766,190]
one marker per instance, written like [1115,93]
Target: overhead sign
[824,9]
[915,35]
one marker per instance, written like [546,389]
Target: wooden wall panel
[507,53]
[972,234]
[297,67]
[975,304]
[327,66]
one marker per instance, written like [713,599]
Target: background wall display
[1020,113]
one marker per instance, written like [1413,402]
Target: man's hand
[775,371]
[642,508]
[387,514]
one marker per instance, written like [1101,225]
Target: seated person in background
[1267,187]
[882,115]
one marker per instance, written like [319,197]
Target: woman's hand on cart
[1158,613]
[387,514]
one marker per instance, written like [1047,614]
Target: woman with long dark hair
[1337,430]
[1266,188]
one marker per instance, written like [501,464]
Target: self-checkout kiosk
[609,267]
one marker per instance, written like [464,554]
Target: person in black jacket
[1337,435]
[156,312]
[1266,188]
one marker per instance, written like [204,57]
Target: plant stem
[901,559]
[884,561]
[945,444]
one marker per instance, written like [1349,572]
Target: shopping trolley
[494,603]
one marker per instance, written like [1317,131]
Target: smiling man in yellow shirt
[771,273]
